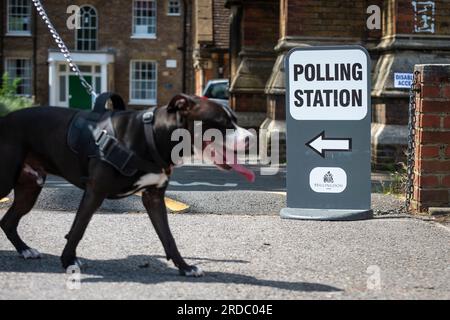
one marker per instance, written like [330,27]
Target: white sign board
[332,88]
[171,63]
[403,80]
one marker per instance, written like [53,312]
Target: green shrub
[9,101]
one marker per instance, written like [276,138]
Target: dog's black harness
[91,134]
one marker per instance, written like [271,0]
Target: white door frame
[55,59]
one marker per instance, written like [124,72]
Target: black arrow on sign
[319,144]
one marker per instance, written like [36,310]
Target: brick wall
[326,18]
[211,58]
[114,32]
[432,160]
[404,16]
[221,24]
[260,25]
[13,46]
[252,56]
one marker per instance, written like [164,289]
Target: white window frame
[133,101]
[169,5]
[96,30]
[142,35]
[21,33]
[14,76]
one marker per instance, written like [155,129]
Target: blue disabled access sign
[328,133]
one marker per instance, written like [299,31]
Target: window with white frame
[20,68]
[144,18]
[174,8]
[86,36]
[19,17]
[143,82]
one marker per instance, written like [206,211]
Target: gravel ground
[245,257]
[216,202]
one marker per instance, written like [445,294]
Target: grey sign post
[328,133]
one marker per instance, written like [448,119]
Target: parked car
[217,90]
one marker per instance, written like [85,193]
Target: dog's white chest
[151,179]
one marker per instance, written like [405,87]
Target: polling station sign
[329,90]
[328,133]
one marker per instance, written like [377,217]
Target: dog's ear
[180,102]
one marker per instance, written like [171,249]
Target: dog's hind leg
[153,199]
[11,164]
[26,192]
[91,201]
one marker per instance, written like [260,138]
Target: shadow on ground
[146,270]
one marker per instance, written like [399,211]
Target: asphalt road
[210,178]
[233,232]
[244,257]
[206,190]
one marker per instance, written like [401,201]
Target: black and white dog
[33,143]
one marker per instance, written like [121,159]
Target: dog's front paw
[72,262]
[30,253]
[192,271]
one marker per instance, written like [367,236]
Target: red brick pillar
[432,157]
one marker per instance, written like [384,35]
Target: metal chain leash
[411,141]
[63,48]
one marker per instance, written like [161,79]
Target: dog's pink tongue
[247,173]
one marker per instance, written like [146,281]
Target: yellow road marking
[173,205]
[4,200]
[281,193]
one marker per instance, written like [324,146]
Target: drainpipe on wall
[2,36]
[34,70]
[184,45]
